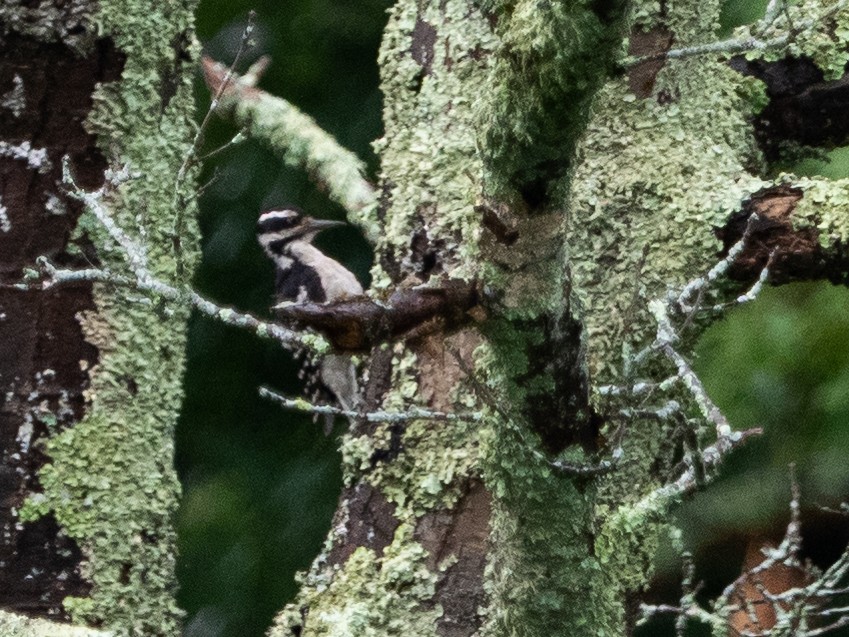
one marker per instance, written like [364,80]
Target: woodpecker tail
[330,379]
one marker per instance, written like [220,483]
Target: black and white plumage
[306,275]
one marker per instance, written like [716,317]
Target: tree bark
[525,154]
[572,192]
[91,378]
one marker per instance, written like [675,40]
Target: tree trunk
[573,191]
[91,375]
[568,186]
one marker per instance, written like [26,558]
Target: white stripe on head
[283,213]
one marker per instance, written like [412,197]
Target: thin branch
[134,252]
[237,139]
[773,9]
[790,607]
[700,283]
[637,389]
[753,292]
[190,159]
[588,470]
[191,155]
[414,413]
[662,413]
[663,343]
[145,281]
[157,288]
[734,46]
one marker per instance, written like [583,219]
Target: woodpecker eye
[277,220]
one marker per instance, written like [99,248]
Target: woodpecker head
[278,229]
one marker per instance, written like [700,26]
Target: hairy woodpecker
[306,275]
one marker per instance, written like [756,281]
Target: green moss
[542,572]
[551,59]
[424,476]
[430,167]
[650,181]
[392,593]
[628,541]
[654,178]
[679,172]
[111,481]
[825,206]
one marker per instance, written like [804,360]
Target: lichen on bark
[574,192]
[110,482]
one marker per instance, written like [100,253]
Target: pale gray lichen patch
[653,183]
[14,100]
[36,158]
[5,222]
[71,22]
[111,482]
[428,156]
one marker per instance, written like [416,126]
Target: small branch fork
[757,41]
[687,303]
[699,464]
[801,611]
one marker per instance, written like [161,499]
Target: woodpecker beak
[317,225]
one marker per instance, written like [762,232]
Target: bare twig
[700,465]
[700,283]
[237,139]
[191,154]
[756,42]
[190,159]
[637,389]
[413,413]
[151,286]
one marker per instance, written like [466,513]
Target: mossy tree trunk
[91,374]
[522,153]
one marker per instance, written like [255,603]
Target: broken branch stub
[358,324]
